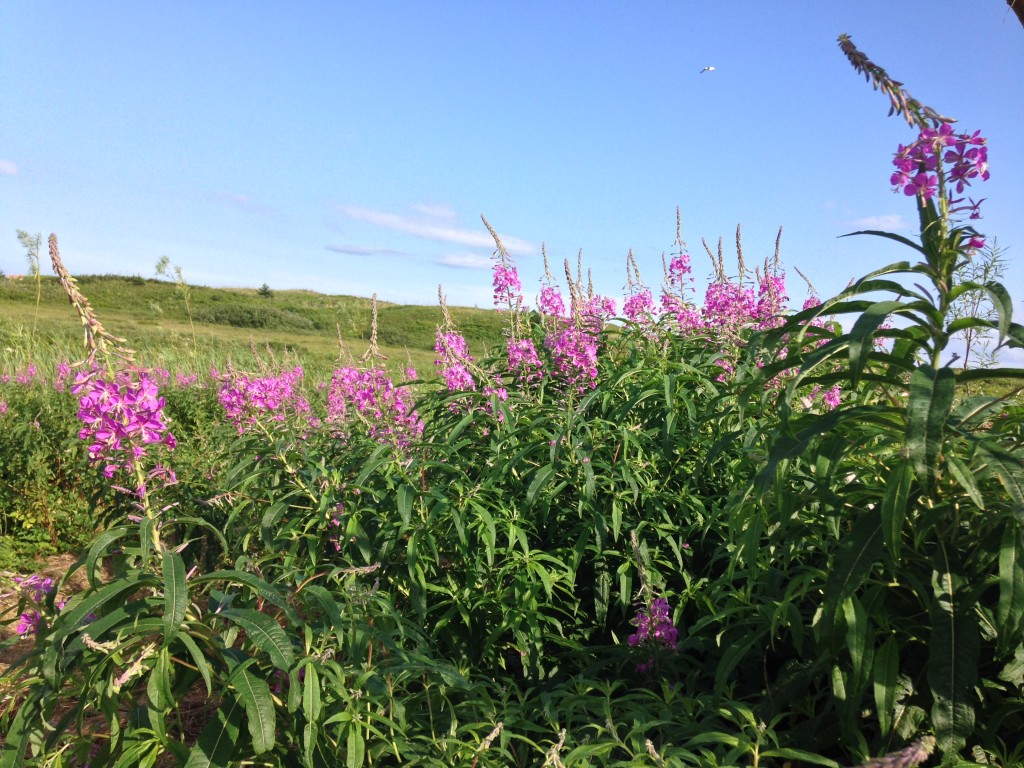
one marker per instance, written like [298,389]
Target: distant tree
[265,291]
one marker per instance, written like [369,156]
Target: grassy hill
[194,326]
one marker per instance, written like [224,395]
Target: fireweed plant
[906,600]
[710,533]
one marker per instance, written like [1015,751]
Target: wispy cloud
[362,250]
[889,222]
[8,168]
[464,260]
[433,222]
[245,203]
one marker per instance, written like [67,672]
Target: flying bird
[706,69]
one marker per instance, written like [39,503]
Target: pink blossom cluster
[673,301]
[961,157]
[524,362]
[185,380]
[574,357]
[248,400]
[917,164]
[654,627]
[728,306]
[551,303]
[34,589]
[372,396]
[453,361]
[595,311]
[771,300]
[639,306]
[61,375]
[121,416]
[507,288]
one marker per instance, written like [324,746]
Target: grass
[228,322]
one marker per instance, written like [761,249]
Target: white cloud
[464,260]
[244,203]
[8,168]
[439,211]
[363,250]
[889,222]
[434,222]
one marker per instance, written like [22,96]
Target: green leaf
[859,643]
[217,741]
[74,614]
[1010,610]
[199,658]
[862,335]
[888,236]
[158,687]
[1003,305]
[265,633]
[325,600]
[857,554]
[801,755]
[540,479]
[355,748]
[266,590]
[175,594]
[22,730]
[1008,468]
[99,548]
[965,477]
[931,398]
[405,497]
[894,507]
[952,656]
[259,709]
[886,679]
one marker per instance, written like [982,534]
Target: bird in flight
[706,69]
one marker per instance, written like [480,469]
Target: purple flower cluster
[654,627]
[453,360]
[917,164]
[524,362]
[247,400]
[121,416]
[507,289]
[639,307]
[937,152]
[372,396]
[33,589]
[574,357]
[551,303]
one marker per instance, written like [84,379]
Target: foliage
[713,535]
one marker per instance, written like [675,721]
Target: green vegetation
[732,535]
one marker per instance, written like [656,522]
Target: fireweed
[370,396]
[122,417]
[654,631]
[250,400]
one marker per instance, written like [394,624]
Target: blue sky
[352,147]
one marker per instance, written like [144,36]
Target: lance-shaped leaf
[1010,610]
[886,683]
[265,633]
[862,336]
[931,398]
[894,506]
[254,694]
[856,555]
[217,741]
[175,594]
[952,655]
